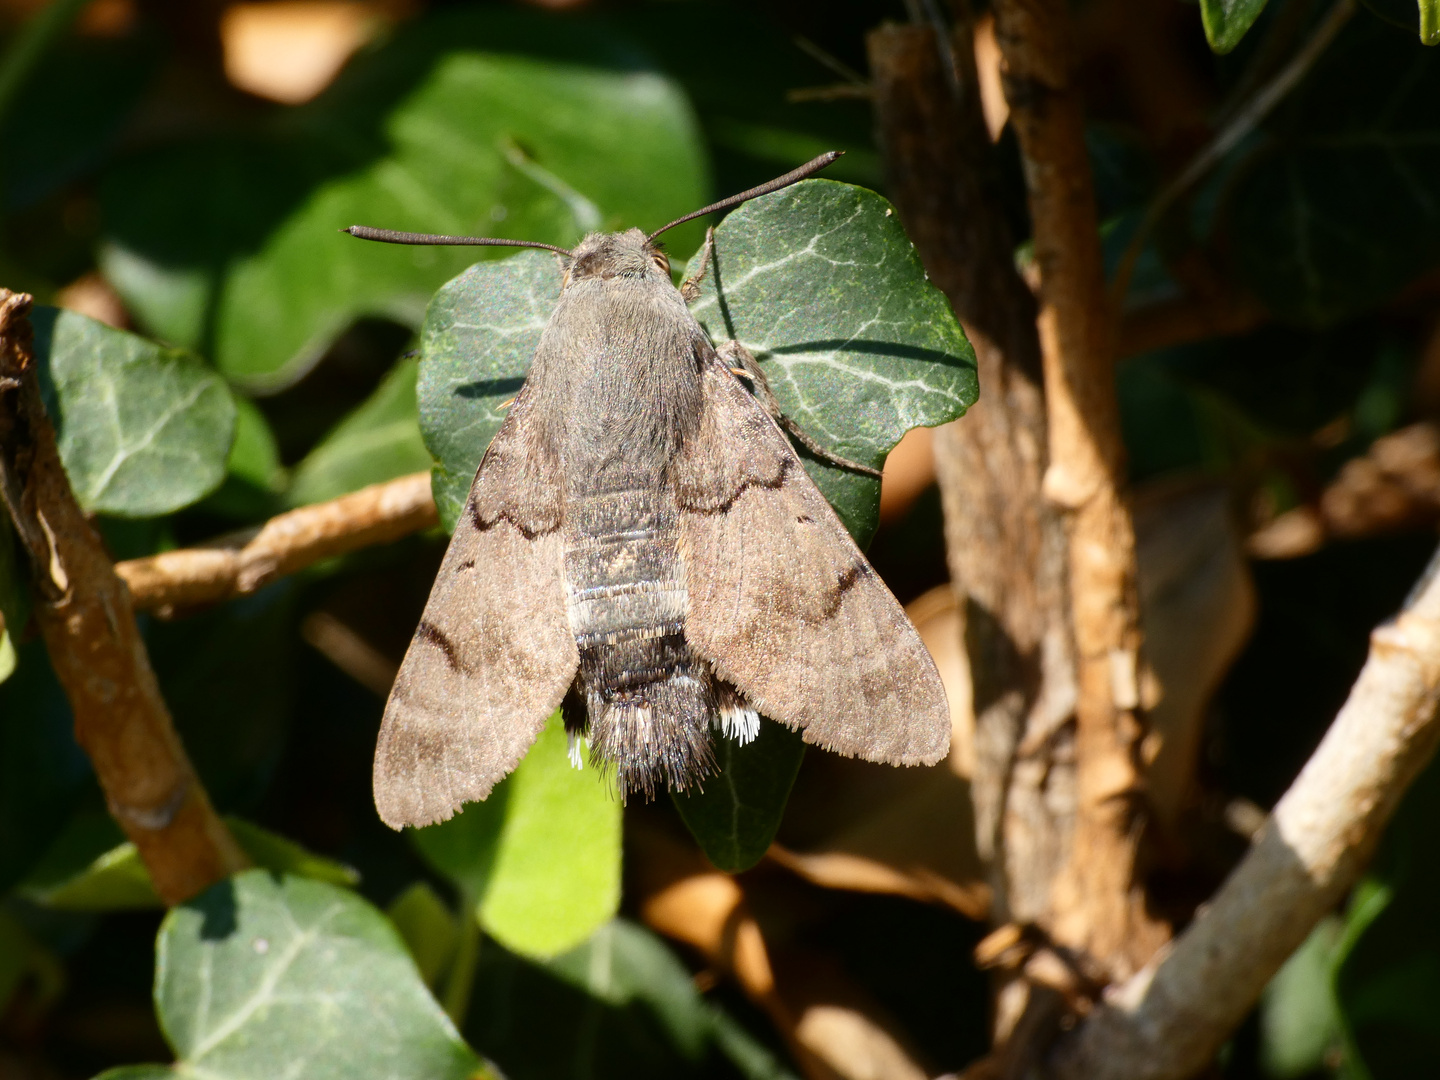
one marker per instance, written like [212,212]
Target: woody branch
[1005,544]
[1099,907]
[244,562]
[85,616]
[1168,1021]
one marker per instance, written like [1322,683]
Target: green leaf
[1340,207]
[471,120]
[428,929]
[1387,965]
[736,815]
[621,963]
[481,331]
[1429,22]
[254,476]
[540,858]
[1226,21]
[143,430]
[621,1006]
[1298,1024]
[90,867]
[379,441]
[821,284]
[267,975]
[819,281]
[275,852]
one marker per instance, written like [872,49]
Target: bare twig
[244,562]
[1168,1021]
[89,628]
[1098,905]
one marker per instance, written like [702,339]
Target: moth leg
[690,287]
[742,363]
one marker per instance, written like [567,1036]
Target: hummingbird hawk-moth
[643,549]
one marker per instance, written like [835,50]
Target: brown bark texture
[244,562]
[1099,907]
[85,616]
[1005,545]
[1168,1022]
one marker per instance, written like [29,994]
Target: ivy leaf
[480,334]
[736,815]
[254,475]
[90,867]
[473,120]
[821,284]
[819,281]
[378,441]
[1226,21]
[143,430]
[1386,966]
[267,975]
[540,858]
[1340,207]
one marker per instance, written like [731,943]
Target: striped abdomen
[649,699]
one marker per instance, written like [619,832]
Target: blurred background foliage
[172,176]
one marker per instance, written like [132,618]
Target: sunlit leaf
[265,975]
[540,858]
[143,430]
[1227,20]
[821,284]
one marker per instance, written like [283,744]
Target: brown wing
[493,654]
[783,603]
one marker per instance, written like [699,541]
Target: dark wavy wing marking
[493,654]
[783,603]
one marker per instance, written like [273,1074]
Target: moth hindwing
[642,546]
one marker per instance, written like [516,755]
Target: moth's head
[628,254]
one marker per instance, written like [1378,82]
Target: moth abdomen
[649,700]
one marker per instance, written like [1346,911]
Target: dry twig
[85,616]
[244,562]
[1098,906]
[1168,1021]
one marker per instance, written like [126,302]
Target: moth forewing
[493,654]
[784,604]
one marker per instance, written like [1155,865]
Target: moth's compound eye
[662,262]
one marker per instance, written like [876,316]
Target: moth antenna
[390,236]
[810,168]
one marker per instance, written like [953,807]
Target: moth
[643,549]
